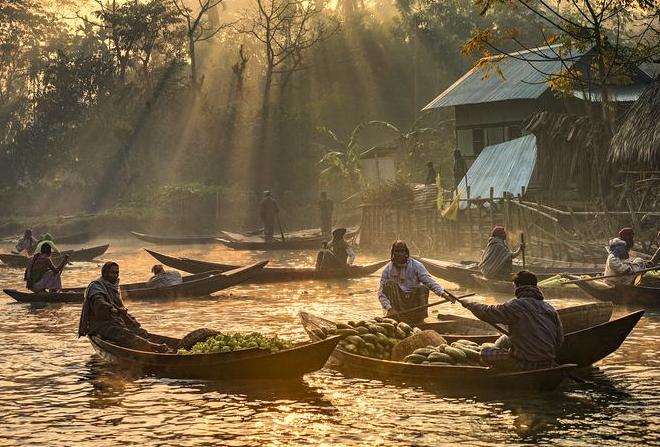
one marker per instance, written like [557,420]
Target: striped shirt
[408,278]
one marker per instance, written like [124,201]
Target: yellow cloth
[451,213]
[439,201]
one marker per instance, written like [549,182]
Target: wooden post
[469,219]
[492,206]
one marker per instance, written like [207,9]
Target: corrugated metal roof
[524,78]
[506,167]
[626,93]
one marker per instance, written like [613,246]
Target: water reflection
[54,390]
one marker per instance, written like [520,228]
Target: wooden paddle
[458,298]
[279,224]
[395,316]
[593,278]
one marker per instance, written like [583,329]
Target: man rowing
[41,274]
[497,259]
[164,278]
[536,333]
[618,266]
[27,243]
[405,284]
[104,314]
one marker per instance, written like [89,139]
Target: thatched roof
[637,142]
[571,150]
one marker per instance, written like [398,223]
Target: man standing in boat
[268,211]
[325,213]
[405,284]
[104,314]
[497,259]
[536,333]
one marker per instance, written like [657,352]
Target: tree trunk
[193,60]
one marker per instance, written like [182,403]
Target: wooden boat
[193,286]
[464,272]
[507,287]
[582,348]
[298,235]
[270,274]
[175,240]
[622,293]
[453,375]
[82,255]
[276,244]
[257,363]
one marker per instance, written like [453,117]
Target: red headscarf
[499,231]
[627,234]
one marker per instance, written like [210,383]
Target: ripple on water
[55,391]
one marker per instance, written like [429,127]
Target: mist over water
[55,391]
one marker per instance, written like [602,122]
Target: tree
[617,34]
[198,27]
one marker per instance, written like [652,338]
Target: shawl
[96,287]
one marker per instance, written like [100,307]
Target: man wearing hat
[497,259]
[268,212]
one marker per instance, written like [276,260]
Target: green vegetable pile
[463,352]
[373,338]
[236,342]
[555,281]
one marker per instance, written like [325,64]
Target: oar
[458,298]
[428,305]
[279,224]
[522,248]
[593,278]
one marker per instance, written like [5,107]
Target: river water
[55,391]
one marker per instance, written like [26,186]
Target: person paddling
[536,332]
[41,274]
[105,315]
[405,284]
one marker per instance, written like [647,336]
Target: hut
[637,141]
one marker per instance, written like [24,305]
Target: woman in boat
[28,243]
[618,267]
[405,284]
[164,278]
[497,259]
[338,254]
[104,314]
[536,333]
[41,274]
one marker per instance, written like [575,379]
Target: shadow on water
[110,383]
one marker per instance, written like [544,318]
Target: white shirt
[408,278]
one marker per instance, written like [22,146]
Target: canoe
[291,363]
[465,272]
[270,274]
[298,235]
[276,244]
[453,375]
[192,287]
[82,255]
[622,293]
[175,240]
[507,287]
[583,347]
